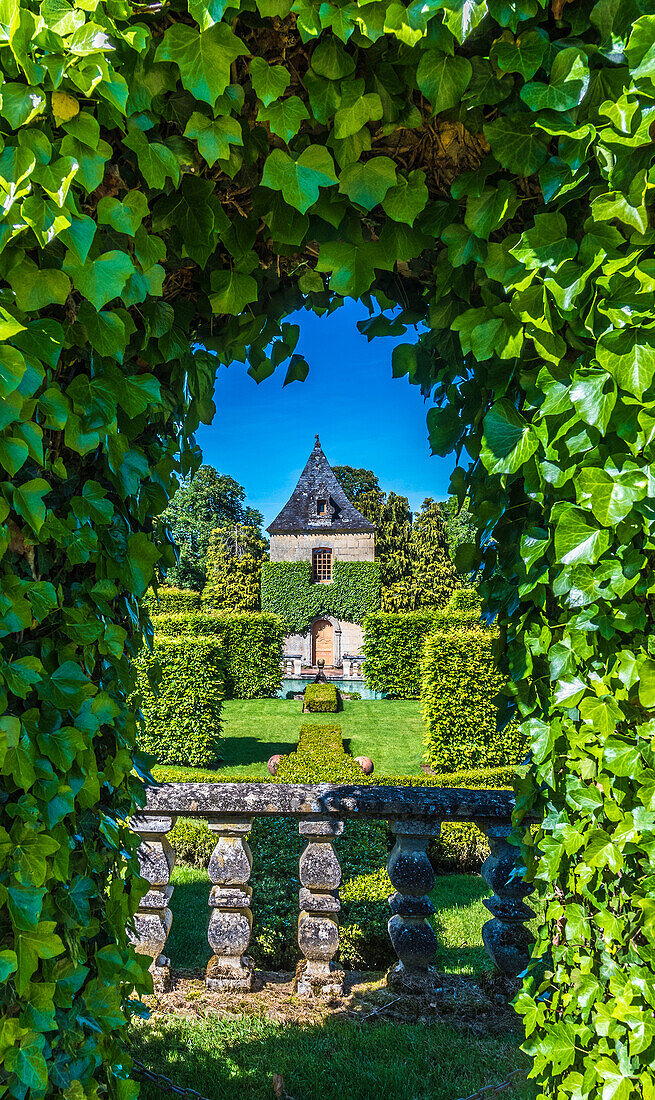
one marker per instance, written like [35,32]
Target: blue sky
[262,434]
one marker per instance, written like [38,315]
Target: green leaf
[203,57]
[516,143]
[8,964]
[567,87]
[284,118]
[125,216]
[269,81]
[298,370]
[155,161]
[520,55]
[12,370]
[351,266]
[508,440]
[214,138]
[25,905]
[368,183]
[349,119]
[488,211]
[593,394]
[139,565]
[102,279]
[36,288]
[577,541]
[22,674]
[14,453]
[407,199]
[232,292]
[443,79]
[299,180]
[28,502]
[21,103]
[330,59]
[610,497]
[629,356]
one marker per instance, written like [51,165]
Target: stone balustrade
[415,815]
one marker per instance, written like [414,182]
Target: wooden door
[323,642]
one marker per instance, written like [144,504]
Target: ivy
[287,590]
[486,167]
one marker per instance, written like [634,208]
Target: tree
[357,483]
[460,526]
[234,568]
[203,502]
[434,576]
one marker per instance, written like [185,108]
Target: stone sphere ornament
[366,764]
[274,763]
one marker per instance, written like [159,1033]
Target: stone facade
[318,515]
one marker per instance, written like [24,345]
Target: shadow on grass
[241,751]
[229,1059]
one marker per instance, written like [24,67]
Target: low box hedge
[321,698]
[168,600]
[180,695]
[460,683]
[252,642]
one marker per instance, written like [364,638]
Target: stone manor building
[319,524]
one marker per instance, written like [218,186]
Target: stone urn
[365,763]
[274,763]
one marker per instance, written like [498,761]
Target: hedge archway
[189,173]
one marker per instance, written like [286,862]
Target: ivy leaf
[36,288]
[298,370]
[349,119]
[443,79]
[214,137]
[155,161]
[67,687]
[21,103]
[351,266]
[203,57]
[28,502]
[508,439]
[577,541]
[32,946]
[125,216]
[8,964]
[520,55]
[331,60]
[368,183]
[284,118]
[629,356]
[407,199]
[610,498]
[12,369]
[567,87]
[269,81]
[299,180]
[232,292]
[516,143]
[489,210]
[140,562]
[593,394]
[103,279]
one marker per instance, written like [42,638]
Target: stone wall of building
[348,639]
[345,546]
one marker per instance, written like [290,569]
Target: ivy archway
[189,173]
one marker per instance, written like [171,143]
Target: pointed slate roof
[316,480]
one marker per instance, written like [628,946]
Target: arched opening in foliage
[189,174]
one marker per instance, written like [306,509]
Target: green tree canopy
[234,568]
[205,501]
[357,483]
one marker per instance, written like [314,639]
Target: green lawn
[236,1058]
[389,731]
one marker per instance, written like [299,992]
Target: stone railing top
[220,800]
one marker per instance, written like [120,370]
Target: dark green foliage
[288,591]
[320,758]
[459,685]
[182,715]
[393,519]
[233,566]
[251,643]
[460,527]
[357,483]
[203,502]
[321,698]
[433,575]
[393,643]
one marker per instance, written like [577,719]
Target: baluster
[230,922]
[318,922]
[153,918]
[507,941]
[413,938]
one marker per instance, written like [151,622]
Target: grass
[390,731]
[459,917]
[235,1059]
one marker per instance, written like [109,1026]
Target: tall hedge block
[182,716]
[459,685]
[252,644]
[393,642]
[288,591]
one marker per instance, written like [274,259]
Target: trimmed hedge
[321,698]
[168,600]
[252,642]
[393,642]
[182,717]
[459,684]
[288,591]
[320,758]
